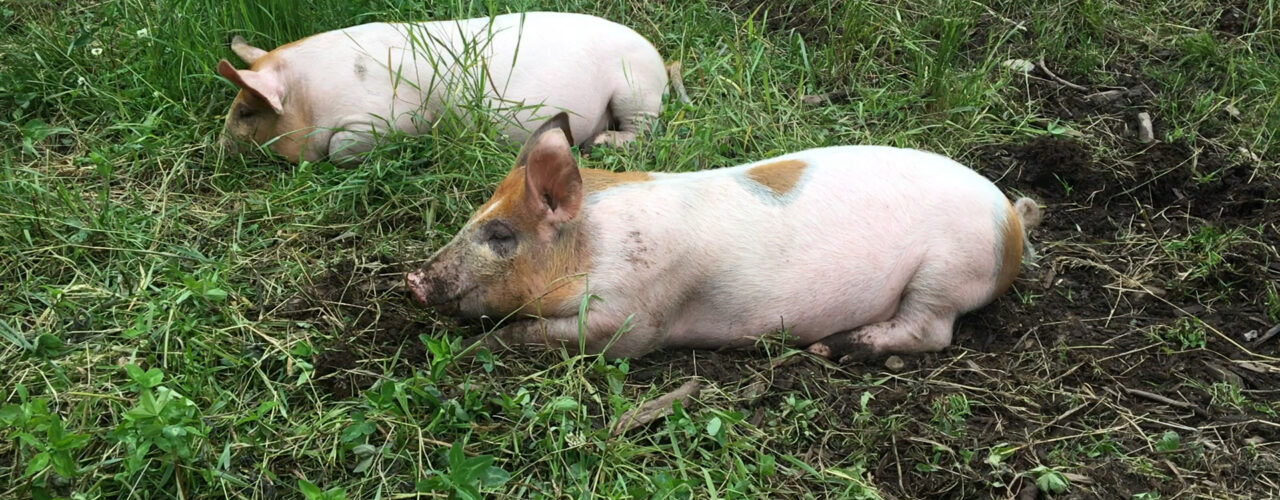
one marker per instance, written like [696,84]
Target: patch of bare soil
[779,15]
[367,303]
[1126,97]
[1236,18]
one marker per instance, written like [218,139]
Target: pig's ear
[261,84]
[248,53]
[558,122]
[552,184]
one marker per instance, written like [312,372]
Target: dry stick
[1266,336]
[1106,95]
[1058,79]
[1176,473]
[1073,436]
[652,410]
[1156,397]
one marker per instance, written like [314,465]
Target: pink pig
[858,251]
[333,93]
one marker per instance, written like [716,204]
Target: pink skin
[874,250]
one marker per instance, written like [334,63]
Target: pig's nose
[417,282]
[227,145]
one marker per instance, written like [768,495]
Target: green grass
[149,349]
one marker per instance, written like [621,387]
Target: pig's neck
[566,267]
[638,227]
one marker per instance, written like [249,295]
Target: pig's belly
[718,316]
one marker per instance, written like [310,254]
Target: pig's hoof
[857,357]
[853,352]
[613,138]
[844,348]
[819,349]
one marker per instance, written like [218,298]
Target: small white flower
[96,51]
[82,82]
[142,33]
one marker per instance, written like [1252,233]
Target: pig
[855,251]
[330,95]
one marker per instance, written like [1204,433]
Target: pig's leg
[635,109]
[346,146]
[564,332]
[613,138]
[915,328]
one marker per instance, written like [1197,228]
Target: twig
[1266,336]
[1175,471]
[657,408]
[1058,79]
[1156,397]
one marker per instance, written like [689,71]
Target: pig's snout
[229,145]
[420,286]
[436,286]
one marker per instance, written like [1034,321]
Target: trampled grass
[176,323]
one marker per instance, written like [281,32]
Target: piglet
[856,251]
[331,94]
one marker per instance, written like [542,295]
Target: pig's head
[523,250]
[263,113]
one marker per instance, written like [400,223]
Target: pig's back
[572,62]
[830,250]
[561,61]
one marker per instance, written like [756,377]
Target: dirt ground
[1068,364]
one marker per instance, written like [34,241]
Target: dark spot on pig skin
[360,70]
[637,250]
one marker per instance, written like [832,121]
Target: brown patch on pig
[548,284]
[595,180]
[264,125]
[1011,251]
[270,59]
[539,204]
[252,118]
[509,195]
[507,199]
[779,176]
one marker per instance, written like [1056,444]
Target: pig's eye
[500,237]
[246,112]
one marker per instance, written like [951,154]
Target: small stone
[1146,133]
[1019,65]
[895,364]
[1248,154]
[1233,112]
[813,100]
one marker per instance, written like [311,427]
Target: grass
[179,323]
